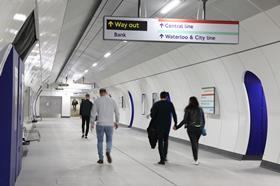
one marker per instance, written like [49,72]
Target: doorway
[258,117]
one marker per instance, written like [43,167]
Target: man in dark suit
[161,115]
[85,111]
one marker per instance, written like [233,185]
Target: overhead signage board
[171,30]
[208,100]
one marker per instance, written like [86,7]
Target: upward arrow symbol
[110,23]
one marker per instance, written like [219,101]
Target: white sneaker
[196,162]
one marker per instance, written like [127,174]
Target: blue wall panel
[132,109]
[10,140]
[258,115]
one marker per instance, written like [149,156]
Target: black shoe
[165,160]
[83,136]
[109,159]
[161,162]
[100,161]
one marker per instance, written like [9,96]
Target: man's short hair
[102,91]
[87,96]
[163,95]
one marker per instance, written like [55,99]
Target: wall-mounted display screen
[26,37]
[208,100]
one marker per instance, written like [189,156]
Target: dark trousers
[85,121]
[163,146]
[194,135]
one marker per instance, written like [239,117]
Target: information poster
[208,100]
[171,30]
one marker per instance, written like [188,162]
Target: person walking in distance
[105,108]
[74,104]
[194,121]
[161,116]
[85,110]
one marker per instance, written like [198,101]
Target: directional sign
[171,30]
[126,25]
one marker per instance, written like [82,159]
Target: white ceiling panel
[50,16]
[265,5]
[76,18]
[237,9]
[9,26]
[76,49]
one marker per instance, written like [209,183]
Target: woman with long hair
[194,121]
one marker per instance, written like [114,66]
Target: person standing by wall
[194,121]
[85,110]
[105,108]
[161,115]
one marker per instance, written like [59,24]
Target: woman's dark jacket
[194,117]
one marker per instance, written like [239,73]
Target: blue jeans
[100,130]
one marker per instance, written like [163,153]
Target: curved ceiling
[71,37]
[61,24]
[92,47]
[9,25]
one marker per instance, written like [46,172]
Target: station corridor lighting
[170,6]
[107,54]
[94,64]
[20,17]
[13,31]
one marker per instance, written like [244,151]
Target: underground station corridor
[139,92]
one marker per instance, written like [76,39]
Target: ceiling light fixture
[20,17]
[86,71]
[172,4]
[94,64]
[107,54]
[125,41]
[43,33]
[13,31]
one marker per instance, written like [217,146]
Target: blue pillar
[9,128]
[132,109]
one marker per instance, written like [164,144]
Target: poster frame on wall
[208,100]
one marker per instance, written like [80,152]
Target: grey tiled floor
[62,158]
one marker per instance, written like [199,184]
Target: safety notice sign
[171,30]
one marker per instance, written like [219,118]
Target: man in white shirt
[104,109]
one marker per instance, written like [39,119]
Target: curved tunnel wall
[184,71]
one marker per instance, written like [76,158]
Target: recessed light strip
[167,8]
[107,54]
[20,17]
